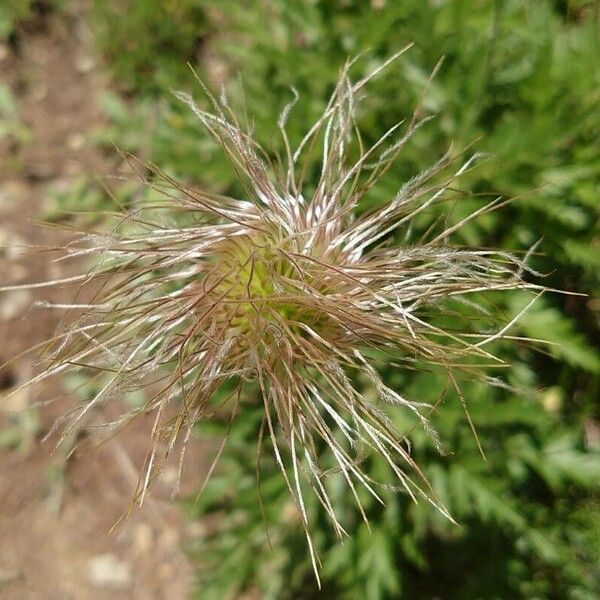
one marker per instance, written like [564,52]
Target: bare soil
[56,514]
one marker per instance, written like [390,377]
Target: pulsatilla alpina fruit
[288,292]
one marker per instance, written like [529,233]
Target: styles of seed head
[287,292]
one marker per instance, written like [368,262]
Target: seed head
[287,290]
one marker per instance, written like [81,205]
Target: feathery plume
[290,291]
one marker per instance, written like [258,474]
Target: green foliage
[85,388]
[10,124]
[84,201]
[15,12]
[522,82]
[147,42]
[11,12]
[523,519]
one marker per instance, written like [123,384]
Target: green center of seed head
[256,283]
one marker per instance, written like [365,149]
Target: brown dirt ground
[51,532]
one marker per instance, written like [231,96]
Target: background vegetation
[520,81]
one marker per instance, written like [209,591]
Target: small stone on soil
[108,571]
